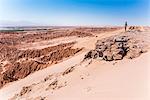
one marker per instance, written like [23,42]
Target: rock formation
[24,62]
[116,48]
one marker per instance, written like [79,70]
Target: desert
[74,49]
[73,63]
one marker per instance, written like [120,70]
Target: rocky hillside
[17,64]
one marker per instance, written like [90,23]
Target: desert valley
[72,63]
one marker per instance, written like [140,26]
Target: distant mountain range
[17,23]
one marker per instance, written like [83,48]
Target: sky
[74,12]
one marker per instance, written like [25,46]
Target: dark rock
[100,53]
[69,70]
[121,39]
[101,47]
[25,90]
[92,54]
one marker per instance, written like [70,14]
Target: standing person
[126,26]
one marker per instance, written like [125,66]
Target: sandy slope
[126,80]
[121,80]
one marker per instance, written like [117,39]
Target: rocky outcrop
[12,54]
[135,28]
[24,62]
[19,70]
[69,70]
[116,48]
[12,38]
[25,90]
[59,54]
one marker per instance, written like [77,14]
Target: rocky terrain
[18,60]
[21,63]
[117,47]
[56,66]
[15,37]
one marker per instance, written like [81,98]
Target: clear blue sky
[75,12]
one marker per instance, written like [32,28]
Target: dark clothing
[126,26]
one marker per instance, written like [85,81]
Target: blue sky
[75,12]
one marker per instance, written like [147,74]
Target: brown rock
[69,70]
[25,90]
[115,48]
[91,54]
[133,53]
[107,55]
[118,54]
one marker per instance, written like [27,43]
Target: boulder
[101,47]
[121,39]
[134,52]
[100,52]
[118,54]
[107,55]
[91,54]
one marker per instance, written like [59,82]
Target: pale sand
[126,80]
